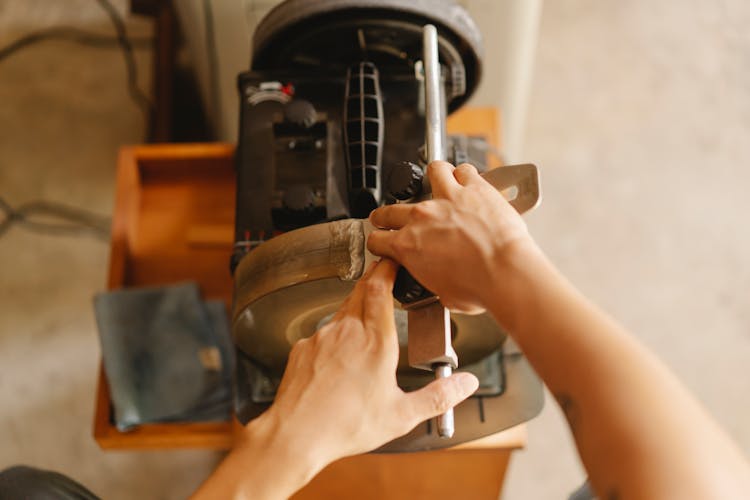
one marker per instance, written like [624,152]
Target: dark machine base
[509,394]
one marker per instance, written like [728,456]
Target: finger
[381,243]
[353,305]
[467,174]
[378,306]
[441,178]
[391,216]
[343,308]
[441,395]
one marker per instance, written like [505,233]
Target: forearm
[265,465]
[638,431]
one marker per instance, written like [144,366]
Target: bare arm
[338,397]
[640,434]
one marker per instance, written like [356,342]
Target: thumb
[441,395]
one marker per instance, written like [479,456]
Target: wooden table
[174,221]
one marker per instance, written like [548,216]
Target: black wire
[70,34]
[59,219]
[91,39]
[127,51]
[70,221]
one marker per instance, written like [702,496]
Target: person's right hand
[461,244]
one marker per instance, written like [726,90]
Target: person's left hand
[339,394]
[338,397]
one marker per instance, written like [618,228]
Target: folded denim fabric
[217,403]
[167,355]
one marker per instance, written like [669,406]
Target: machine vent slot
[363,136]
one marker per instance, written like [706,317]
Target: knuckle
[378,216]
[442,207]
[312,341]
[466,168]
[298,347]
[437,165]
[438,402]
[375,241]
[403,245]
[422,210]
[347,324]
[325,329]
[375,288]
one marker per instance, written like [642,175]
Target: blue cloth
[167,355]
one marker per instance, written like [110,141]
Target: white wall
[510,31]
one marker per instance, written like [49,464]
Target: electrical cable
[67,33]
[54,219]
[127,51]
[59,219]
[76,35]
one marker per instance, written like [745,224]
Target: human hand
[339,397]
[457,244]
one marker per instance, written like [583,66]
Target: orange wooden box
[173,222]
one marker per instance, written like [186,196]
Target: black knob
[299,198]
[301,113]
[405,180]
[408,290]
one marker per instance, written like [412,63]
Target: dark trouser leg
[28,483]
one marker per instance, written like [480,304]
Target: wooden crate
[173,222]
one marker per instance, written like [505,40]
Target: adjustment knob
[301,113]
[299,198]
[405,180]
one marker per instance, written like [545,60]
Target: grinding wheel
[289,286]
[292,284]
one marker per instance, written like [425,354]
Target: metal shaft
[434,90]
[435,139]
[445,424]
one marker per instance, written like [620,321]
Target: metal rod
[445,423]
[435,139]
[434,90]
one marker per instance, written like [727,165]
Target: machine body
[344,107]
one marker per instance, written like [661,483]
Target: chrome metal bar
[445,423]
[432,338]
[434,97]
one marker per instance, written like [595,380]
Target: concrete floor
[639,117]
[65,111]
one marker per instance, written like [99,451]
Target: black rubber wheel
[333,34]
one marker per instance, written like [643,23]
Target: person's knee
[19,473]
[22,481]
